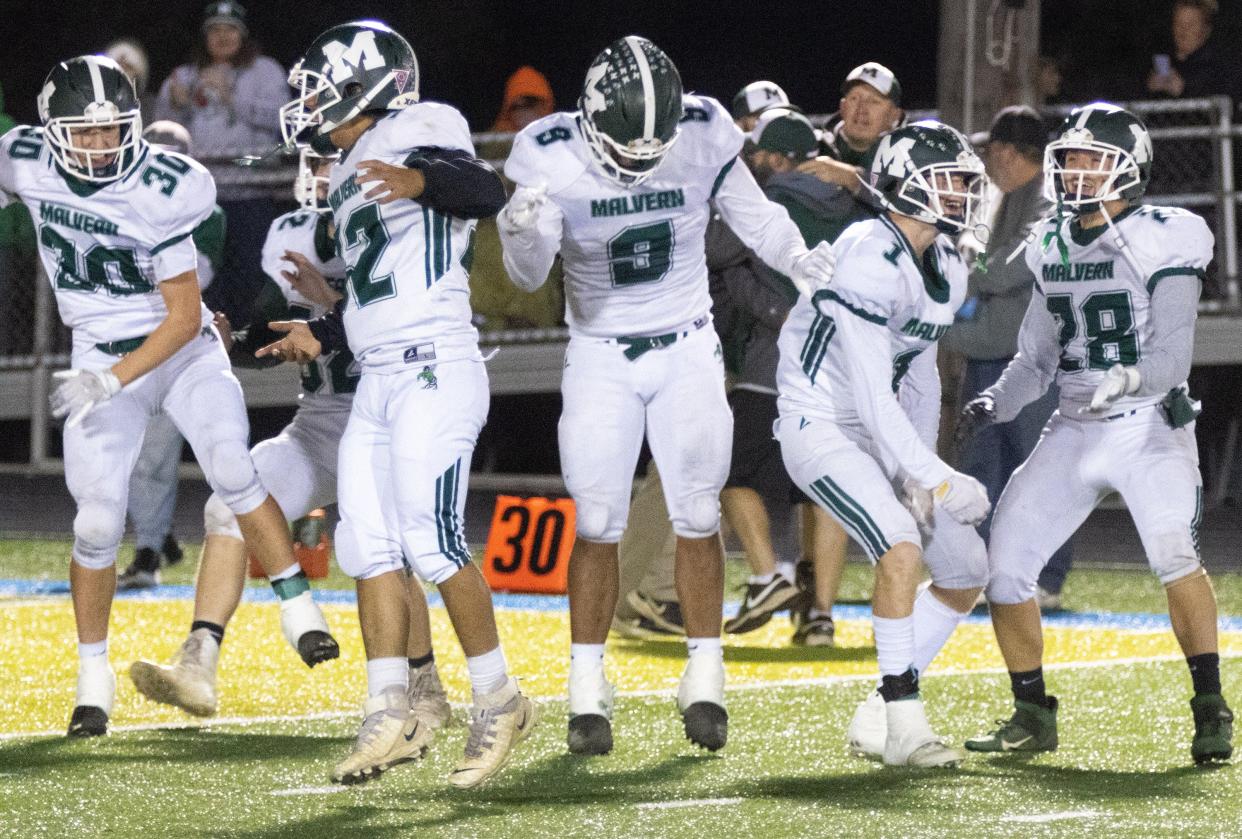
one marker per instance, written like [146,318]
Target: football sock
[422,660]
[216,630]
[894,644]
[902,686]
[1205,672]
[93,649]
[708,647]
[383,673]
[1028,686]
[934,622]
[488,672]
[787,570]
[290,583]
[586,655]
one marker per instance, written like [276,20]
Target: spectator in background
[753,100]
[870,106]
[1197,66]
[130,54]
[528,97]
[153,483]
[986,329]
[229,99]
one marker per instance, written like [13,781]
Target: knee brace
[698,516]
[232,476]
[97,531]
[1174,557]
[219,520]
[598,522]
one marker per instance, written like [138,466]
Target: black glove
[979,413]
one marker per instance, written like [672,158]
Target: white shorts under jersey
[328,382]
[106,248]
[409,294]
[1101,300]
[634,258]
[845,352]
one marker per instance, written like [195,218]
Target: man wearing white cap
[753,100]
[870,107]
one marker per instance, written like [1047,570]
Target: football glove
[813,270]
[963,498]
[919,502]
[1119,381]
[522,211]
[81,390]
[978,414]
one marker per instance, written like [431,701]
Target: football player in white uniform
[859,410]
[305,280]
[115,221]
[621,189]
[1112,322]
[404,197]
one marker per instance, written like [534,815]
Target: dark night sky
[468,47]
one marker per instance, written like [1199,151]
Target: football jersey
[328,382]
[878,279]
[407,264]
[1101,302]
[106,247]
[633,258]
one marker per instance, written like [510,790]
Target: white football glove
[81,390]
[963,498]
[522,211]
[1119,381]
[919,502]
[813,270]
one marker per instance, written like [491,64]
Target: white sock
[788,570]
[934,622]
[286,574]
[586,655]
[488,672]
[706,647]
[894,644]
[383,673]
[93,649]
[761,579]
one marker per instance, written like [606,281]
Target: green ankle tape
[291,587]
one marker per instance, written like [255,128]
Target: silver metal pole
[42,350]
[968,72]
[1228,207]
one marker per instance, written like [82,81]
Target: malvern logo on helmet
[928,171]
[361,53]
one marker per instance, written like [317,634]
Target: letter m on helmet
[361,53]
[893,158]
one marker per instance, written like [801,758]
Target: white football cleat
[428,699]
[93,701]
[590,710]
[498,721]
[868,729]
[390,735]
[700,698]
[189,682]
[910,740]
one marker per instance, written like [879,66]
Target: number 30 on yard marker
[529,544]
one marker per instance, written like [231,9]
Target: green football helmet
[631,109]
[90,92]
[1118,143]
[914,170]
[351,68]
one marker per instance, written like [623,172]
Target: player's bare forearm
[178,328]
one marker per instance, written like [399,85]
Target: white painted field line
[1041,818]
[689,802]
[822,681]
[308,790]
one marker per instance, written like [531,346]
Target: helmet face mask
[311,188]
[348,70]
[631,108]
[1102,154]
[929,172]
[79,98]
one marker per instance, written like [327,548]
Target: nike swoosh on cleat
[1009,745]
[413,731]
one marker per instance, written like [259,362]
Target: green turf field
[1123,768]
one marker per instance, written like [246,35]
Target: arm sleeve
[329,330]
[1167,354]
[747,283]
[920,396]
[867,355]
[457,183]
[763,225]
[1033,369]
[528,255]
[269,305]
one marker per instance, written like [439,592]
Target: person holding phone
[1195,66]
